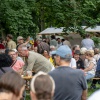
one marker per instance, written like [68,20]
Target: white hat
[19,37]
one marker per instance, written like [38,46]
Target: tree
[16,17]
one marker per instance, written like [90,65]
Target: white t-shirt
[73,63]
[95,96]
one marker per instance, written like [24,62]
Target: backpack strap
[2,70]
[13,64]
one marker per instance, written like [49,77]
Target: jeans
[89,76]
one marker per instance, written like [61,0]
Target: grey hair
[23,47]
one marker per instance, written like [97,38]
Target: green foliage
[16,17]
[26,17]
[96,40]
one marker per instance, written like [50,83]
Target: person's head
[76,47]
[42,87]
[59,40]
[53,37]
[38,41]
[45,53]
[83,50]
[77,55]
[96,51]
[20,40]
[5,60]
[22,50]
[2,40]
[52,48]
[11,86]
[9,37]
[63,55]
[12,54]
[89,54]
[35,49]
[87,35]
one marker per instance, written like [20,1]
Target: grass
[90,91]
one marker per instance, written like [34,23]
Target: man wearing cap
[20,40]
[70,83]
[10,43]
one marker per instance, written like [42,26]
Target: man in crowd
[66,42]
[20,40]
[10,43]
[87,42]
[42,46]
[34,61]
[53,41]
[70,83]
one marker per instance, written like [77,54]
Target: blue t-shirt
[69,82]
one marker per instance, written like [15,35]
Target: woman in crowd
[47,55]
[42,87]
[17,64]
[5,63]
[90,64]
[83,51]
[79,61]
[75,47]
[11,86]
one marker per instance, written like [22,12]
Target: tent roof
[54,30]
[95,29]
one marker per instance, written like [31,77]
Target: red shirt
[2,46]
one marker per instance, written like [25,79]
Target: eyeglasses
[12,54]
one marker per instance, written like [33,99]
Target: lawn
[90,91]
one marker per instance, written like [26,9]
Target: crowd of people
[61,70]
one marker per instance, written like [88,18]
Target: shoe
[93,86]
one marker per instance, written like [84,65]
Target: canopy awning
[53,30]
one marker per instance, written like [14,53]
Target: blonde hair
[83,50]
[90,53]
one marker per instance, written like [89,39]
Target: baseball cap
[19,37]
[64,51]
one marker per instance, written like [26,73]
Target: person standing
[70,83]
[10,43]
[53,41]
[88,42]
[66,42]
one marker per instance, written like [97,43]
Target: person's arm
[31,62]
[9,45]
[73,63]
[91,65]
[84,95]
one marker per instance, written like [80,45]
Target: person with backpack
[5,63]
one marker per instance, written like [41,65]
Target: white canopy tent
[53,30]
